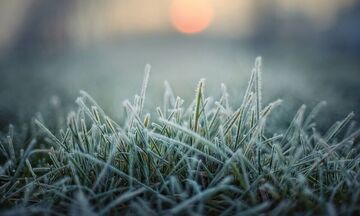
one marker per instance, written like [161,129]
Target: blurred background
[51,49]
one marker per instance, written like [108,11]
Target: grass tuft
[205,159]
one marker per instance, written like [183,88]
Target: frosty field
[201,157]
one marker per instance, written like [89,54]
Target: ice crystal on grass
[205,159]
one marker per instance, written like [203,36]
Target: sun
[191,16]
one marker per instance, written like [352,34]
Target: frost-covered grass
[205,159]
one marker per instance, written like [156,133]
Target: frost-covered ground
[208,158]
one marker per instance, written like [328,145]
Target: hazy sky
[89,20]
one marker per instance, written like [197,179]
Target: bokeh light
[191,16]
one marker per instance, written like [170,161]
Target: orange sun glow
[191,16]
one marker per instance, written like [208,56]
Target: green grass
[205,159]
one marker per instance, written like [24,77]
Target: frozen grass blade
[199,96]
